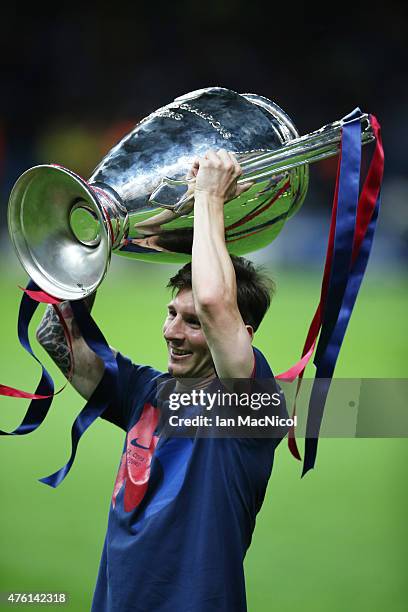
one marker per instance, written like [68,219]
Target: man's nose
[174,330]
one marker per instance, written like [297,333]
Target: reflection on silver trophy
[139,203]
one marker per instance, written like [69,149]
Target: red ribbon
[45,298]
[366,205]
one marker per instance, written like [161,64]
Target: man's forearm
[50,334]
[212,270]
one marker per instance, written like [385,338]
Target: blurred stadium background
[73,84]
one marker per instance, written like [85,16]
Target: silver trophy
[139,203]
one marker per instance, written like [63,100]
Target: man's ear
[250,330]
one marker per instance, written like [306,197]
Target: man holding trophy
[189,554]
[184,507]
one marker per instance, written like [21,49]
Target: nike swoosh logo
[134,443]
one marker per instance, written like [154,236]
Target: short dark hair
[254,289]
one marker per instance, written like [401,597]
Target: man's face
[189,355]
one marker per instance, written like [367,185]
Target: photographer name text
[238,421]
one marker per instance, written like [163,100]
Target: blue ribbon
[348,192]
[38,409]
[345,282]
[103,394]
[98,402]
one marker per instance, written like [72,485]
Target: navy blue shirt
[183,509]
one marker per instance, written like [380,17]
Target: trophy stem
[115,214]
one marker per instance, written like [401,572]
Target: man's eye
[194,322]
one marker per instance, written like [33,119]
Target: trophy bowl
[139,202]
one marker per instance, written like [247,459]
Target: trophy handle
[170,193]
[178,196]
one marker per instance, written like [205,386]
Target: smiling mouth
[178,354]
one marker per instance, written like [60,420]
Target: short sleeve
[136,385]
[263,373]
[261,366]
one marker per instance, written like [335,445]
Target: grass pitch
[331,541]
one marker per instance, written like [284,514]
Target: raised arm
[86,367]
[213,276]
